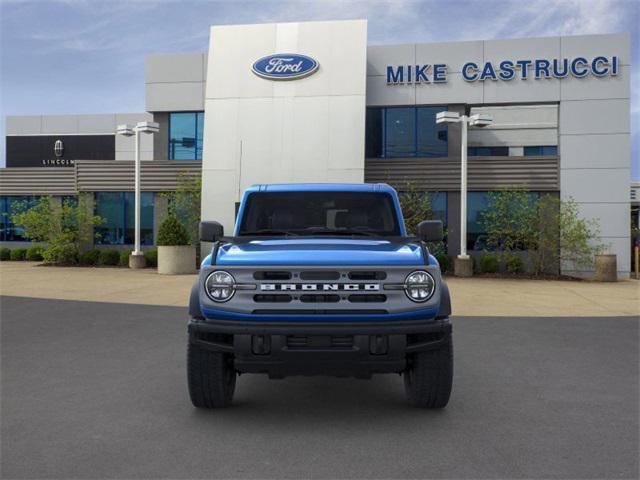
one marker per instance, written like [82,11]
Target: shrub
[64,227]
[90,257]
[489,263]
[564,237]
[34,254]
[109,257]
[152,258]
[18,254]
[5,254]
[513,263]
[124,258]
[172,232]
[61,254]
[445,262]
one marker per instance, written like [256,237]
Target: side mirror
[210,231]
[430,231]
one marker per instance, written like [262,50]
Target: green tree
[563,237]
[63,227]
[510,219]
[551,229]
[184,203]
[416,206]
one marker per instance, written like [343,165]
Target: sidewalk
[470,297]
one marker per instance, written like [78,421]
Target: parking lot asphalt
[98,390]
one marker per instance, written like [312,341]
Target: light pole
[136,259]
[463,264]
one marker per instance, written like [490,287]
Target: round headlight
[220,286]
[419,286]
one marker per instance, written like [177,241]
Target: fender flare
[445,302]
[194,301]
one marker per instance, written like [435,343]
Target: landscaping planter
[606,268]
[176,260]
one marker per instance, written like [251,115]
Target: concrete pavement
[98,390]
[470,297]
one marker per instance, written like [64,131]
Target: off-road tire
[211,377]
[429,376]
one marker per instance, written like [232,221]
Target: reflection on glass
[405,132]
[117,209]
[185,135]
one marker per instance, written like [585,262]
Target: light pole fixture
[136,259]
[463,264]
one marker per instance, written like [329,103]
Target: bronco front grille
[320,290]
[322,286]
[272,298]
[309,298]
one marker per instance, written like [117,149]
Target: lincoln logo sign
[505,70]
[58,148]
[325,287]
[285,66]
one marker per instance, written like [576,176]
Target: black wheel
[429,375]
[212,379]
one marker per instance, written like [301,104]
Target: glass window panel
[182,136]
[374,131]
[532,151]
[15,233]
[11,232]
[499,151]
[432,138]
[3,218]
[477,203]
[546,150]
[400,132]
[117,209]
[439,206]
[146,218]
[199,134]
[109,207]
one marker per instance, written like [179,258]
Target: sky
[87,56]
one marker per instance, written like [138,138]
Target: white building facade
[356,112]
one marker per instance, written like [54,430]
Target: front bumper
[336,349]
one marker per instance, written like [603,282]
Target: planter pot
[606,268]
[176,260]
[463,267]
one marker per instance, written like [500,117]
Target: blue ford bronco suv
[320,279]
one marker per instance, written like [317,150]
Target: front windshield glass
[319,213]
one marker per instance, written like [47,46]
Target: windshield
[319,213]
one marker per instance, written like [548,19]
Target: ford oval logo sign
[285,66]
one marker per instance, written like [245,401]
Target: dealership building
[312,102]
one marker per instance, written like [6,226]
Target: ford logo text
[285,66]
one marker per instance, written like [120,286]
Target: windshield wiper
[268,231]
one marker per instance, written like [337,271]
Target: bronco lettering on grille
[325,287]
